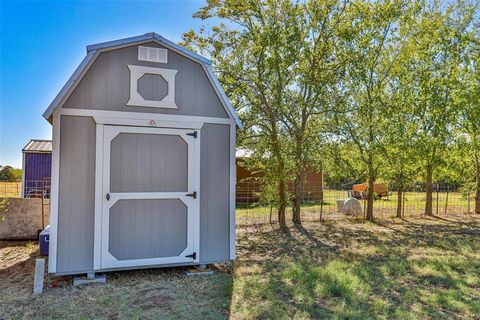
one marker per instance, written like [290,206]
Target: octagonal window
[152,87]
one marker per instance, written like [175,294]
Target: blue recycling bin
[44,239]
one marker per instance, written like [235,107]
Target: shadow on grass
[427,268]
[390,269]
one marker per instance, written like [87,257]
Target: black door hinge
[193,134]
[193,256]
[193,195]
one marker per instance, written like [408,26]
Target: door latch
[193,256]
[107,196]
[193,195]
[193,134]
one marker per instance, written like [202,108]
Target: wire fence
[32,189]
[10,189]
[325,203]
[318,203]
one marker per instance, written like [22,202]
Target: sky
[41,44]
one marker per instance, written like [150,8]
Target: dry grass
[151,294]
[422,268]
[10,189]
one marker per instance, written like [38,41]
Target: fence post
[438,187]
[446,200]
[321,207]
[43,210]
[271,208]
[364,211]
[468,200]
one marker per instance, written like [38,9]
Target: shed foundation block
[90,278]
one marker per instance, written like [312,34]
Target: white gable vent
[152,54]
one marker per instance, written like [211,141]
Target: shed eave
[65,91]
[146,37]
[223,96]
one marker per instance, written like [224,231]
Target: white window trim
[136,72]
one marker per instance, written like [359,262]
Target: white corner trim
[233,181]
[52,250]
[97,234]
[136,72]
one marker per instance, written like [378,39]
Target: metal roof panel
[35,145]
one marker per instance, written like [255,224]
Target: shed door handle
[107,196]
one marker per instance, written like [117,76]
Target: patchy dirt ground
[420,268]
[151,293]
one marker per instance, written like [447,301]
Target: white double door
[150,207]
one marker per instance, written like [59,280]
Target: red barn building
[248,184]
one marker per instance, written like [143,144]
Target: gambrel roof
[94,50]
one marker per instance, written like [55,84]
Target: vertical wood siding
[214,193]
[76,195]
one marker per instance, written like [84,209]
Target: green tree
[254,50]
[322,26]
[375,48]
[468,95]
[437,45]
[279,61]
[7,173]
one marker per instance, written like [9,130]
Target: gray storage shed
[143,161]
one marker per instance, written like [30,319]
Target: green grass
[418,268]
[421,269]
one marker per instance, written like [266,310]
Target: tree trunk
[281,196]
[297,198]
[477,191]
[429,191]
[371,182]
[399,201]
